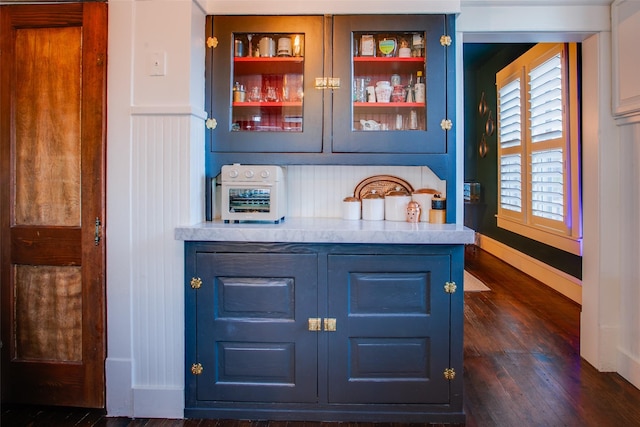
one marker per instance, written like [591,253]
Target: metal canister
[238,48]
[413,211]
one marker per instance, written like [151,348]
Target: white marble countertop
[328,230]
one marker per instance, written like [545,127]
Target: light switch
[157,63]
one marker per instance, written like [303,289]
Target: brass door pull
[329,324]
[315,324]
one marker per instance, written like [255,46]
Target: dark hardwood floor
[522,367]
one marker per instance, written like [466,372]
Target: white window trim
[568,239]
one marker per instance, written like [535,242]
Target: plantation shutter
[510,138]
[547,142]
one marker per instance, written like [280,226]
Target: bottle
[419,88]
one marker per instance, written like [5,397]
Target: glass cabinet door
[262,92]
[396,96]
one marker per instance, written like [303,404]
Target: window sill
[569,244]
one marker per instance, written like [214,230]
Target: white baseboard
[560,281]
[119,390]
[126,400]
[166,402]
[629,367]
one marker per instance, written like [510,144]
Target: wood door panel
[46,245]
[48,307]
[52,150]
[47,126]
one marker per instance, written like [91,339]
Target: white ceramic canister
[395,205]
[373,206]
[423,196]
[351,208]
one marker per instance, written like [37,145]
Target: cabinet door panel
[391,344]
[265,127]
[431,140]
[252,334]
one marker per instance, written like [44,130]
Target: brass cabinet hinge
[195,283]
[212,42]
[449,373]
[196,369]
[450,287]
[445,40]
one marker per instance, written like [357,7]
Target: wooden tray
[382,184]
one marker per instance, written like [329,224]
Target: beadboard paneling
[318,191]
[161,195]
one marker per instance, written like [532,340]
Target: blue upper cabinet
[395,95]
[348,89]
[261,82]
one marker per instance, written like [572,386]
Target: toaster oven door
[254,200]
[248,202]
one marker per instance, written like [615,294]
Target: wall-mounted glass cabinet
[344,89]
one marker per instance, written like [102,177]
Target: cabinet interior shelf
[388,104]
[415,59]
[276,104]
[268,59]
[274,65]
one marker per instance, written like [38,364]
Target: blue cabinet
[391,346]
[250,327]
[305,106]
[327,332]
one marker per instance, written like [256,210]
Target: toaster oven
[252,193]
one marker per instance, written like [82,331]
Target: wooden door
[52,142]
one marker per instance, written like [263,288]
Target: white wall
[155,182]
[155,179]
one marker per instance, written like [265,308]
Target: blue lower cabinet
[323,332]
[252,336]
[391,342]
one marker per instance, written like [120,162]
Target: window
[538,146]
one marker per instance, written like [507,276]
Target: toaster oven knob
[264,174]
[233,173]
[248,173]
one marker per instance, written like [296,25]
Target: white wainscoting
[166,190]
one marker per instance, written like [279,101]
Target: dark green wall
[482,62]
